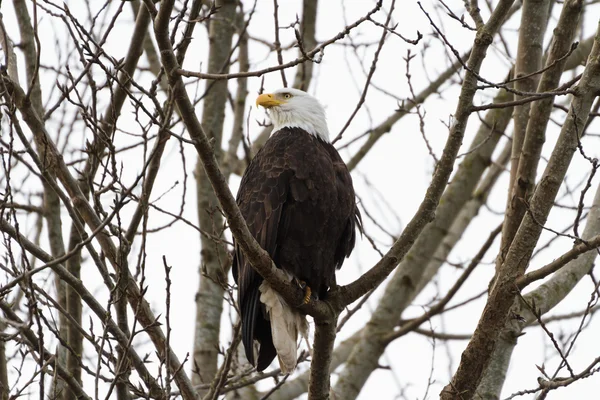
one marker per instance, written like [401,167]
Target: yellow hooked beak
[267,100]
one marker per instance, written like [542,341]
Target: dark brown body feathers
[298,201]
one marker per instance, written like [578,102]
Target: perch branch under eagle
[298,201]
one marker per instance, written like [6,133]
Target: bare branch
[309,55]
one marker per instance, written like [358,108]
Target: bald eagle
[298,201]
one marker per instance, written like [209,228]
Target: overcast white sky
[398,170]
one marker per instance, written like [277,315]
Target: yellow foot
[307,293]
[307,290]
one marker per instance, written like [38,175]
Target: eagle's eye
[287,96]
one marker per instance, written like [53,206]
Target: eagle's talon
[306,288]
[307,294]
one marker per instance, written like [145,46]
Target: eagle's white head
[295,108]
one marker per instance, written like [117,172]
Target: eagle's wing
[348,238]
[261,198]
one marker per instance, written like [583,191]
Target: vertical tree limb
[540,110]
[214,259]
[239,107]
[299,385]
[319,379]
[4,387]
[534,21]
[308,29]
[51,200]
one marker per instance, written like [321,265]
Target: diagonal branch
[258,257]
[444,168]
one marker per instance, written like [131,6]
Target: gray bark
[214,256]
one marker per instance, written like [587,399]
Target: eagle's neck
[311,120]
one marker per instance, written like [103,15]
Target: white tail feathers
[286,323]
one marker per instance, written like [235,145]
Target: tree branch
[33,342]
[214,262]
[307,57]
[319,379]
